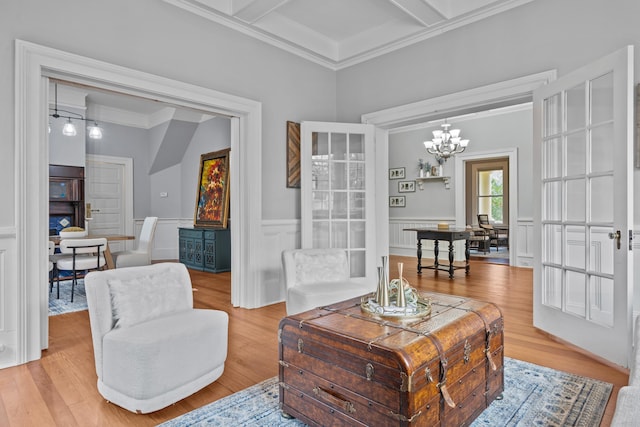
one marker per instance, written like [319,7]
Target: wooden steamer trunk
[342,366]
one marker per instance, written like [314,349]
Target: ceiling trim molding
[509,92]
[471,116]
[197,7]
[435,31]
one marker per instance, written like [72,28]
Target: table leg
[466,257]
[450,259]
[419,257]
[435,253]
[108,258]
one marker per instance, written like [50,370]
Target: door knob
[616,236]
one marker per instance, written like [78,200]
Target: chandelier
[69,128]
[445,142]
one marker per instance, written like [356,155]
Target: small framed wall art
[397,201]
[396,173]
[406,186]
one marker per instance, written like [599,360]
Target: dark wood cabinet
[66,197]
[205,249]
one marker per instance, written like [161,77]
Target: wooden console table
[450,235]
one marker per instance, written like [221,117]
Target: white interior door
[107,186]
[338,192]
[583,154]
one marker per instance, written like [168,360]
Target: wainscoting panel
[165,241]
[403,243]
[277,236]
[8,298]
[524,251]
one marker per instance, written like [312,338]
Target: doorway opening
[35,65]
[487,207]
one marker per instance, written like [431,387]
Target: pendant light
[69,128]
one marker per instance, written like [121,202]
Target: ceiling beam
[422,12]
[253,10]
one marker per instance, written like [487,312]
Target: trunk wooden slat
[340,365]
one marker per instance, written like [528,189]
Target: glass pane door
[338,185]
[581,283]
[578,256]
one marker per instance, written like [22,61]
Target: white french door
[583,180]
[338,192]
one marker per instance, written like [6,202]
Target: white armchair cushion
[131,258]
[319,277]
[303,298]
[138,299]
[320,267]
[627,411]
[135,359]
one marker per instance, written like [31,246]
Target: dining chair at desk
[497,235]
[86,254]
[142,254]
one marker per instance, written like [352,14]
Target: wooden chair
[497,236]
[86,254]
[479,239]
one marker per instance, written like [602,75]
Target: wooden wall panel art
[293,155]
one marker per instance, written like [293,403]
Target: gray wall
[486,133]
[67,150]
[178,181]
[158,38]
[212,135]
[125,141]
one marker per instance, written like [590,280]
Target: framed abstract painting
[212,199]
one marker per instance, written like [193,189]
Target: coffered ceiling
[339,33]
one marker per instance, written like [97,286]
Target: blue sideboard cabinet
[205,249]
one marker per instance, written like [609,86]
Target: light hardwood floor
[60,389]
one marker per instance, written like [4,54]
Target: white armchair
[141,255]
[151,347]
[318,277]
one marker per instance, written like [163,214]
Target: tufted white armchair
[318,277]
[151,347]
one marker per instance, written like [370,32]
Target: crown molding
[471,116]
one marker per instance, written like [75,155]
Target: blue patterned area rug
[64,304]
[533,396]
